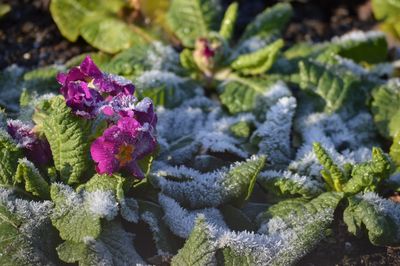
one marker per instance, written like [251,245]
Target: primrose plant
[235,150]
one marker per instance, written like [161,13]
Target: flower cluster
[131,132]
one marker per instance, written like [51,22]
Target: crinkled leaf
[113,247]
[367,176]
[381,228]
[260,61]
[9,155]
[386,108]
[332,87]
[30,176]
[198,190]
[68,136]
[240,94]
[200,248]
[71,218]
[26,234]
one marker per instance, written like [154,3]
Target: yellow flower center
[124,155]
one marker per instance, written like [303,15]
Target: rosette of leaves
[211,55]
[107,25]
[365,212]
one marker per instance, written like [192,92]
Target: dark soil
[30,38]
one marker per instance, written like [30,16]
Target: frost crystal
[181,221]
[102,203]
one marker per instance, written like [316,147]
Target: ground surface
[29,38]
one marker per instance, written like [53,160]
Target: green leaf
[240,94]
[34,183]
[199,190]
[271,20]
[26,234]
[332,87]
[370,47]
[68,136]
[9,155]
[241,129]
[70,217]
[109,34]
[332,174]
[386,108]
[381,228]
[260,61]
[395,150]
[367,176]
[97,22]
[385,8]
[165,88]
[113,247]
[199,248]
[244,175]
[228,22]
[193,19]
[42,79]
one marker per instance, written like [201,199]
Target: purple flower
[122,145]
[123,105]
[36,149]
[85,87]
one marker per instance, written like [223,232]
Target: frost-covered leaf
[166,242]
[181,221]
[386,108]
[68,137]
[33,181]
[280,241]
[165,88]
[193,19]
[236,219]
[26,234]
[380,218]
[271,20]
[274,135]
[198,190]
[199,126]
[228,22]
[240,94]
[141,57]
[332,87]
[9,155]
[200,248]
[78,215]
[289,183]
[113,247]
[258,62]
[370,47]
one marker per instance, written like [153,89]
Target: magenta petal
[129,124]
[145,145]
[61,78]
[89,68]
